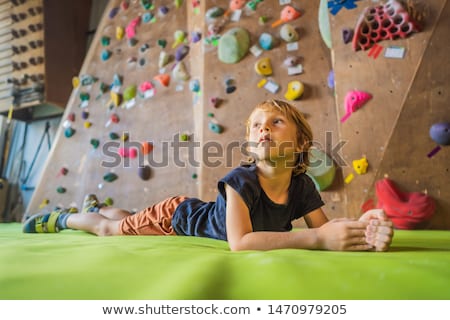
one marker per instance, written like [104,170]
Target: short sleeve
[243,181]
[309,197]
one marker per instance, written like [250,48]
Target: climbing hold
[194,85]
[383,22]
[288,33]
[105,41]
[354,100]
[116,98]
[117,80]
[84,96]
[440,133]
[179,37]
[75,82]
[84,114]
[114,118]
[163,79]
[179,72]
[61,190]
[142,62]
[295,90]
[215,127]
[124,5]
[144,47]
[262,20]
[110,177]
[349,178]
[71,117]
[125,136]
[129,92]
[291,61]
[95,143]
[87,124]
[287,14]
[178,3]
[147,17]
[181,52]
[128,152]
[164,59]
[145,172]
[146,4]
[194,176]
[233,45]
[63,171]
[108,201]
[321,169]
[184,137]
[360,165]
[146,147]
[263,67]
[234,5]
[214,12]
[43,203]
[215,101]
[69,132]
[162,43]
[119,32]
[113,136]
[406,210]
[230,86]
[266,41]
[113,12]
[347,35]
[330,79]
[163,10]
[131,27]
[196,36]
[132,42]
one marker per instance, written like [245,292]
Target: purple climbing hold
[331,79]
[440,133]
[113,12]
[347,35]
[181,52]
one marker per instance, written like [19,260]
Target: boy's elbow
[237,244]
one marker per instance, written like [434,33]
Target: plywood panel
[368,131]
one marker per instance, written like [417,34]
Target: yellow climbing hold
[261,83]
[294,90]
[349,178]
[44,203]
[263,67]
[75,82]
[360,165]
[119,32]
[116,98]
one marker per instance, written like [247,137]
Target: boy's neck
[275,180]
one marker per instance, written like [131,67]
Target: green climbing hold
[184,137]
[321,169]
[105,41]
[84,96]
[215,127]
[110,177]
[108,201]
[61,190]
[233,45]
[162,43]
[114,136]
[129,93]
[95,143]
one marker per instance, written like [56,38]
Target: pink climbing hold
[128,152]
[354,100]
[131,28]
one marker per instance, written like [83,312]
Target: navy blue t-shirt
[194,217]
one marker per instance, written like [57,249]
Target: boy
[256,203]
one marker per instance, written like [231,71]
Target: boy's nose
[264,129]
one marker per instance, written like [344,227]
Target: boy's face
[272,136]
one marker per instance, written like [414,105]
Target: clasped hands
[372,232]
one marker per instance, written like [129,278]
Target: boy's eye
[276,121]
[255,125]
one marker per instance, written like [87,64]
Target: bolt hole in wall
[25,148]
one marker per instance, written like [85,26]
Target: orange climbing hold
[164,79]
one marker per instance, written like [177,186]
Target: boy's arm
[340,234]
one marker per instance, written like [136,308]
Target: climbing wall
[90,138]
[409,94]
[195,123]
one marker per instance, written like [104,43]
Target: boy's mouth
[265,138]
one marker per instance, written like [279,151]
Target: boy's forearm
[262,240]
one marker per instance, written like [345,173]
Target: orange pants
[154,220]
